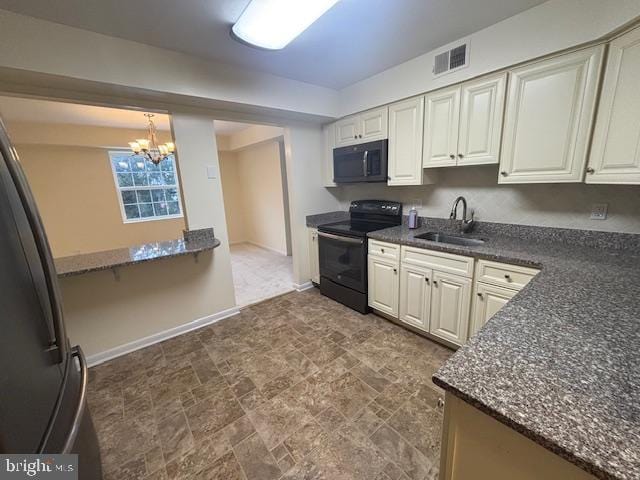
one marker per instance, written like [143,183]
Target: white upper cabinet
[373,125]
[481,111]
[442,116]
[405,142]
[346,131]
[548,118]
[615,153]
[365,127]
[463,124]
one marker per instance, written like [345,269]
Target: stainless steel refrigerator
[43,380]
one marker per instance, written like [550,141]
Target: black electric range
[343,250]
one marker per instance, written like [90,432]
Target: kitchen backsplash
[551,205]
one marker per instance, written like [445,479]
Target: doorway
[254,185]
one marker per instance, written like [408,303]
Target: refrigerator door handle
[82,400]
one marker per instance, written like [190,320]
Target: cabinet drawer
[509,276]
[444,262]
[390,251]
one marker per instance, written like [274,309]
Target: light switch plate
[212,172]
[599,211]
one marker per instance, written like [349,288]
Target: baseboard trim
[112,353]
[274,250]
[300,287]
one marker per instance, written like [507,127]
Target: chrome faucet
[467,225]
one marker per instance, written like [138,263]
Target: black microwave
[366,162]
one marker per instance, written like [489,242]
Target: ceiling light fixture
[149,147]
[272,24]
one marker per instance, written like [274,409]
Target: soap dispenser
[413,218]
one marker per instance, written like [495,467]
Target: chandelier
[149,146]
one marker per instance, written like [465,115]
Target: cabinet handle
[355,136]
[395,270]
[359,135]
[590,170]
[426,280]
[460,155]
[507,277]
[452,156]
[479,294]
[503,173]
[435,283]
[382,250]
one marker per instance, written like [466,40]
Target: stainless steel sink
[452,239]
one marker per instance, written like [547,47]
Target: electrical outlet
[599,211]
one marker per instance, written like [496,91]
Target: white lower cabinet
[314,263]
[488,299]
[415,296]
[432,290]
[450,303]
[432,298]
[384,285]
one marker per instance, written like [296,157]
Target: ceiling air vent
[451,60]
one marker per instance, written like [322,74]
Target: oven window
[343,261]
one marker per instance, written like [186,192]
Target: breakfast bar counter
[193,243]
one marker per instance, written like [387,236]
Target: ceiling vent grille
[451,60]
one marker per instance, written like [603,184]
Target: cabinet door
[481,110]
[327,167]
[384,285]
[487,301]
[373,125]
[314,265]
[415,296]
[548,119]
[615,153]
[346,131]
[405,142]
[442,117]
[450,304]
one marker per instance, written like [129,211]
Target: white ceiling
[14,109]
[352,41]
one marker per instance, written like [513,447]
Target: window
[145,191]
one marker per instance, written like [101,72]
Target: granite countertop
[314,220]
[92,262]
[560,363]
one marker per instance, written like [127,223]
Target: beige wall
[233,198]
[109,316]
[75,192]
[253,192]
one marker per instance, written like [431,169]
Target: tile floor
[259,273]
[297,387]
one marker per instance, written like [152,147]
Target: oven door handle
[365,166]
[340,238]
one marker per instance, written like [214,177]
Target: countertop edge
[207,245]
[538,439]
